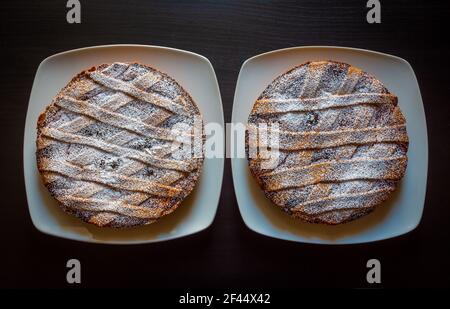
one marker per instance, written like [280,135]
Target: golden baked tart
[339,137]
[115,147]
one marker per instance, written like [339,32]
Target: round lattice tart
[337,140]
[116,146]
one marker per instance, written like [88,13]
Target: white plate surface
[400,214]
[195,73]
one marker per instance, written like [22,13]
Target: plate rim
[409,228]
[220,172]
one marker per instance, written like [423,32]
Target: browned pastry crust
[105,146]
[342,142]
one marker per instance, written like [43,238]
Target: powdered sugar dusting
[104,146]
[343,142]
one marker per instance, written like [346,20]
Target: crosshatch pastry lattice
[342,142]
[107,149]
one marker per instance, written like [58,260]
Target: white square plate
[195,73]
[400,214]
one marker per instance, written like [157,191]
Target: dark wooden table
[227,254]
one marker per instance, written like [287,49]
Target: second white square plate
[195,73]
[400,214]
